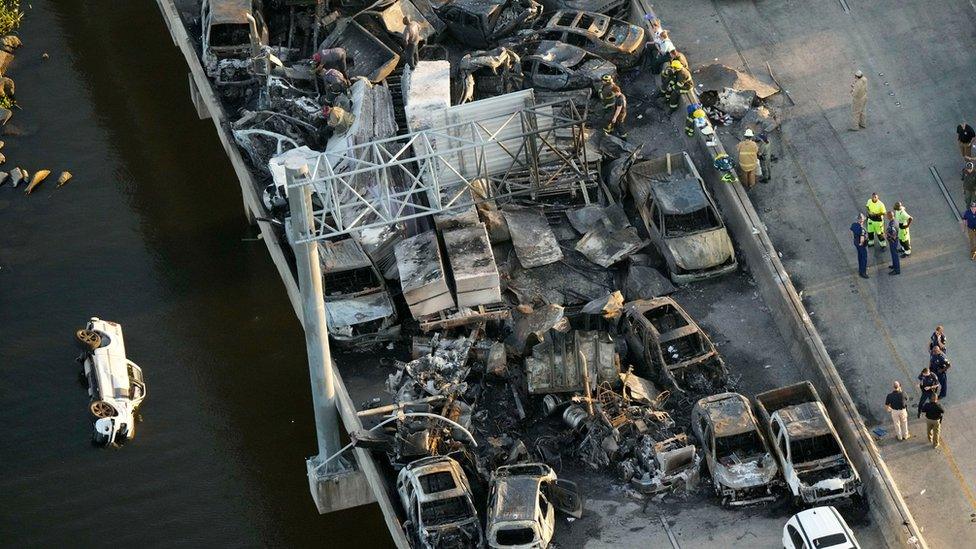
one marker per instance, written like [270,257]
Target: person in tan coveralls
[859,101]
[748,151]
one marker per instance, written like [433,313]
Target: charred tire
[88,339]
[101,409]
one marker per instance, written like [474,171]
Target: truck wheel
[89,338]
[101,409]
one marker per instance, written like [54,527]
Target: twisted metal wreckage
[485,205]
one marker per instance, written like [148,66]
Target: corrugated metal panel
[494,122]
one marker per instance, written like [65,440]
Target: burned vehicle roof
[679,196]
[594,23]
[728,413]
[229,11]
[516,498]
[805,420]
[556,52]
[343,255]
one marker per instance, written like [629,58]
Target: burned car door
[565,496]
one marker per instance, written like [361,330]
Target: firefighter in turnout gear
[675,80]
[696,119]
[904,222]
[606,92]
[876,212]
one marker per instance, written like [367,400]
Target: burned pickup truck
[681,218]
[358,307]
[743,469]
[811,456]
[672,347]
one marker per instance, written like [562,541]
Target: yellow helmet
[675,64]
[698,113]
[607,78]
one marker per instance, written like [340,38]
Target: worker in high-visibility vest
[876,212]
[904,222]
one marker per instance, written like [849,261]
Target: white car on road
[818,528]
[115,383]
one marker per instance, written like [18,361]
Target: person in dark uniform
[939,365]
[928,383]
[861,245]
[934,412]
[896,403]
[939,338]
[891,235]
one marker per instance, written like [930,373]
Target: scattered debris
[17,175]
[37,179]
[535,244]
[62,179]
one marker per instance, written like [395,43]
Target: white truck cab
[115,383]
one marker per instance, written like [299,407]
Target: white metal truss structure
[490,151]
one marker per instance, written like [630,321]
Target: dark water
[149,233]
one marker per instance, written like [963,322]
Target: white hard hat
[749,133]
[858,73]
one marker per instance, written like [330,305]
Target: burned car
[436,497]
[814,462]
[743,469]
[522,501]
[227,33]
[612,39]
[358,307]
[557,66]
[681,218]
[481,23]
[671,346]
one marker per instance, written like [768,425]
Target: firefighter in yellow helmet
[675,80]
[876,213]
[606,92]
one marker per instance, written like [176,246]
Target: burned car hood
[702,250]
[349,311]
[459,534]
[746,474]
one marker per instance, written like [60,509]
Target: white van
[115,383]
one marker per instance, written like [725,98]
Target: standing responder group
[888,227]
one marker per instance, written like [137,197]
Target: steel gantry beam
[482,152]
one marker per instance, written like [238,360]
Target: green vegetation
[10,15]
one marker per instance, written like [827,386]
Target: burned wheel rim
[101,409]
[89,338]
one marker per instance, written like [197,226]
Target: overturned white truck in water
[814,462]
[115,383]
